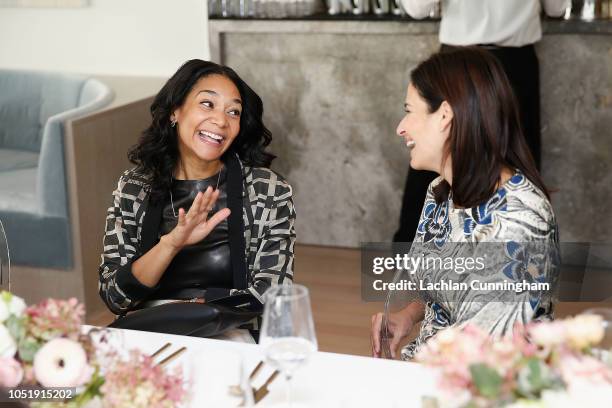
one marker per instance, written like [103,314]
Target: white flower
[548,334]
[448,336]
[8,348]
[10,305]
[61,362]
[144,393]
[584,330]
[16,306]
[4,310]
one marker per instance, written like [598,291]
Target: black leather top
[206,264]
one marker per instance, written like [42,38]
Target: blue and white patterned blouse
[515,230]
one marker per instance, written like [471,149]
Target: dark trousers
[522,68]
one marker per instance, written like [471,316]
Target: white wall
[110,37]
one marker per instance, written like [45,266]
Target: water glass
[287,334]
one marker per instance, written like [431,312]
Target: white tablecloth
[326,380]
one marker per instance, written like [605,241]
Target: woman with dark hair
[201,217]
[462,122]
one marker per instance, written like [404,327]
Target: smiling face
[424,132]
[209,119]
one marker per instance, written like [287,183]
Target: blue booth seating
[34,208]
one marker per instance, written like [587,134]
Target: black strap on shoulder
[151,224]
[235,221]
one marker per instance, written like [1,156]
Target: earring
[173,123]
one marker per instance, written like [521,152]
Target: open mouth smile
[211,138]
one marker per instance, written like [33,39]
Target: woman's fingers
[205,227]
[195,206]
[217,218]
[375,335]
[204,203]
[181,217]
[201,205]
[393,345]
[210,203]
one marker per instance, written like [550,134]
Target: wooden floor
[342,319]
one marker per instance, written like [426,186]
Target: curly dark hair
[156,153]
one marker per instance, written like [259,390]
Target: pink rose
[11,372]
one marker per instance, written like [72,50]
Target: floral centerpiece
[42,346]
[548,364]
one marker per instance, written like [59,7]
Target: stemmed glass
[5,262]
[287,334]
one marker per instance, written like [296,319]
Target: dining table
[211,367]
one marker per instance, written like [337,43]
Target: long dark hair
[156,153]
[485,134]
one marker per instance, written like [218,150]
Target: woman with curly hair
[201,216]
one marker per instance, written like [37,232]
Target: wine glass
[287,334]
[5,262]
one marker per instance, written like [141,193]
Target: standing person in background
[508,29]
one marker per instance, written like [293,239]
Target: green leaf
[534,377]
[27,349]
[535,374]
[92,390]
[487,381]
[16,327]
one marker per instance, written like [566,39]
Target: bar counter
[333,90]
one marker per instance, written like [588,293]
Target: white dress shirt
[509,23]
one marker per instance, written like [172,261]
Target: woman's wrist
[168,244]
[413,313]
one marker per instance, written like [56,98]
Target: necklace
[172,200]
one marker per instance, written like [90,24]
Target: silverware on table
[258,393]
[170,357]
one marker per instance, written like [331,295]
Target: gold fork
[170,357]
[258,393]
[236,390]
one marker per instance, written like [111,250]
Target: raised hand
[194,225]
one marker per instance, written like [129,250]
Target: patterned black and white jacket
[268,217]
